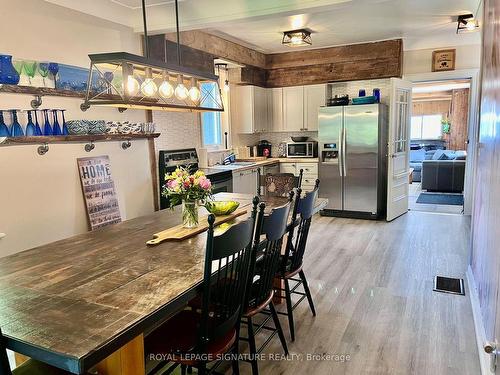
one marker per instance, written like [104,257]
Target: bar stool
[30,367]
[264,265]
[292,260]
[194,336]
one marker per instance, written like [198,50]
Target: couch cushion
[438,155]
[460,155]
[417,155]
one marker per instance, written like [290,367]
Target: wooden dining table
[87,302]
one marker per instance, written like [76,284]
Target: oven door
[222,186]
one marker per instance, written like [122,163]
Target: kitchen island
[83,301]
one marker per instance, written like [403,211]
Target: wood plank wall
[485,259]
[344,63]
[459,118]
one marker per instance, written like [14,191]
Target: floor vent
[449,285]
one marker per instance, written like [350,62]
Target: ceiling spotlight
[297,38]
[466,23]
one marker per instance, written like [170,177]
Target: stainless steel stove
[169,160]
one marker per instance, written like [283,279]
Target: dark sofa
[444,171]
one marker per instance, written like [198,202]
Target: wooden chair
[264,265]
[30,367]
[280,184]
[291,261]
[212,330]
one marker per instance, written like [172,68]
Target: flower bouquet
[188,189]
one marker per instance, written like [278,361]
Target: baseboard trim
[484,358]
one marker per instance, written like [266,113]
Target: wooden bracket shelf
[76,138]
[47,91]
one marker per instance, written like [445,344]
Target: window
[426,127]
[211,126]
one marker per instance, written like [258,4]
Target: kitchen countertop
[262,163]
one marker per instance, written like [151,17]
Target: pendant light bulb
[181,92]
[148,87]
[132,86]
[226,85]
[166,89]
[194,91]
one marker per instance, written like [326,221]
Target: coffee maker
[264,148]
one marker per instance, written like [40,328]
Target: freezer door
[329,147]
[360,156]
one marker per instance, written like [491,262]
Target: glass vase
[8,74]
[189,214]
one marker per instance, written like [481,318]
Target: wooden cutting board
[179,233]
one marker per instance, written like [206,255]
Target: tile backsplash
[275,138]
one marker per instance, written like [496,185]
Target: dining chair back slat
[224,287]
[266,256]
[4,360]
[279,184]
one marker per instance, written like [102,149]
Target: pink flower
[205,183]
[172,184]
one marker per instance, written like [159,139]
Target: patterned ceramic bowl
[125,127]
[77,127]
[112,127]
[96,126]
[136,128]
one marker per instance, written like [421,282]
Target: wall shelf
[47,91]
[12,141]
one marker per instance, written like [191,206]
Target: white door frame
[473,125]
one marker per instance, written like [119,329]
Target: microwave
[302,149]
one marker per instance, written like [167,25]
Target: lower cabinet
[245,182]
[309,174]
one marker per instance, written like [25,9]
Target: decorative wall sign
[99,191]
[443,60]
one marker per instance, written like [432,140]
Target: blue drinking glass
[8,73]
[4,130]
[64,125]
[15,129]
[30,126]
[53,69]
[47,129]
[361,92]
[38,130]
[56,128]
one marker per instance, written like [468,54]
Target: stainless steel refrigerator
[352,143]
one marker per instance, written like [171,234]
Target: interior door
[398,148]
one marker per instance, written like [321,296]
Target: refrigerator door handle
[344,161]
[341,151]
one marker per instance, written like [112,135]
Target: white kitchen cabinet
[249,109]
[275,110]
[309,174]
[314,97]
[293,108]
[245,182]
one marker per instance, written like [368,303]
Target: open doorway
[438,146]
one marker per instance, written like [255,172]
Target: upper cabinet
[314,97]
[249,109]
[293,109]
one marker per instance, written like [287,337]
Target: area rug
[441,198]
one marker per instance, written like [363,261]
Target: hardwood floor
[416,189]
[372,287]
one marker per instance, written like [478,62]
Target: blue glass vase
[38,129]
[64,125]
[4,130]
[15,129]
[8,74]
[56,128]
[30,126]
[47,129]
